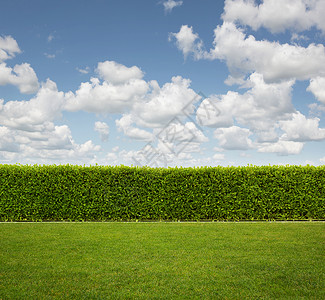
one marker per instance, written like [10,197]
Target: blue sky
[162,83]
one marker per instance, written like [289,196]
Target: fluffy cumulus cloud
[162,104]
[116,73]
[8,48]
[177,131]
[317,87]
[31,115]
[188,42]
[7,140]
[28,133]
[302,129]
[260,108]
[219,156]
[28,127]
[123,89]
[244,54]
[103,129]
[169,5]
[125,124]
[274,60]
[105,97]
[261,116]
[23,76]
[267,111]
[162,156]
[267,70]
[234,138]
[51,143]
[282,147]
[298,15]
[84,70]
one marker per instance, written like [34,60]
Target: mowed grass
[162,260]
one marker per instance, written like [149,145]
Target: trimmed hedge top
[107,193]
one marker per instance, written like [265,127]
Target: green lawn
[162,260]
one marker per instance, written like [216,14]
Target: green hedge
[95,193]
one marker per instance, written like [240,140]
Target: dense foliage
[76,193]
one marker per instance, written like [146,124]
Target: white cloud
[259,108]
[265,103]
[188,42]
[50,138]
[50,38]
[273,69]
[216,112]
[103,130]
[23,76]
[322,160]
[244,55]
[87,148]
[267,111]
[83,71]
[273,60]
[317,87]
[8,142]
[124,124]
[112,158]
[105,97]
[51,56]
[235,80]
[121,89]
[177,131]
[170,4]
[301,129]
[234,138]
[8,48]
[116,73]
[175,98]
[317,14]
[218,156]
[47,145]
[298,37]
[282,147]
[276,15]
[162,156]
[174,149]
[31,115]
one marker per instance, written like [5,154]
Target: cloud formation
[234,138]
[23,76]
[8,48]
[105,97]
[317,87]
[115,73]
[162,104]
[124,124]
[244,54]
[169,5]
[31,115]
[188,42]
[103,129]
[258,117]
[84,70]
[302,129]
[267,69]
[296,15]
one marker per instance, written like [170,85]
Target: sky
[162,83]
